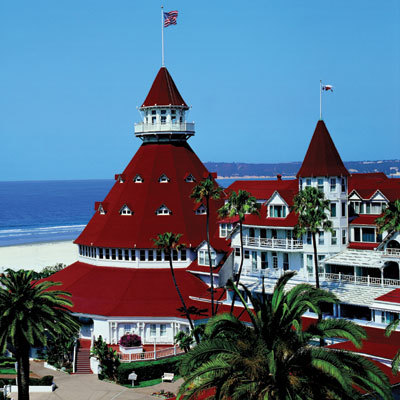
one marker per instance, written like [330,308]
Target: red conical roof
[322,158]
[164,92]
[152,160]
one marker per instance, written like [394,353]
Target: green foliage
[148,370]
[184,340]
[107,357]
[312,207]
[30,312]
[167,242]
[272,358]
[239,204]
[7,359]
[60,349]
[390,220]
[203,193]
[46,380]
[45,272]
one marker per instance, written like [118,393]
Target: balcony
[392,253]
[143,128]
[278,244]
[359,280]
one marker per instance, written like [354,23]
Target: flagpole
[320,99]
[162,36]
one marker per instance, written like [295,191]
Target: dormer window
[125,210]
[277,211]
[202,257]
[138,179]
[190,178]
[163,179]
[163,210]
[101,209]
[225,230]
[120,178]
[202,210]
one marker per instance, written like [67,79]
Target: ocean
[47,211]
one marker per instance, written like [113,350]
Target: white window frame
[163,210]
[138,179]
[202,258]
[163,179]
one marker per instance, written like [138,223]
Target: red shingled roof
[376,344]
[365,219]
[128,292]
[391,297]
[164,92]
[150,162]
[366,185]
[322,157]
[362,246]
[263,189]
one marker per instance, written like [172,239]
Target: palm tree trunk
[241,262]
[209,256]
[181,298]
[315,261]
[22,356]
[316,271]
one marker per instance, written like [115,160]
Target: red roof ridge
[322,157]
[163,92]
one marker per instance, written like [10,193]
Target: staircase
[83,357]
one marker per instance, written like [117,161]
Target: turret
[164,112]
[323,168]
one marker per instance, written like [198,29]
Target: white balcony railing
[144,127]
[360,280]
[151,355]
[281,244]
[392,252]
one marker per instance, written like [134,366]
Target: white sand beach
[37,255]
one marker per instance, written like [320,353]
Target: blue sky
[72,74]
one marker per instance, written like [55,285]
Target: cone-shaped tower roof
[155,178]
[322,157]
[164,92]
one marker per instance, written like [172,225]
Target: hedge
[7,359]
[147,370]
[6,364]
[46,380]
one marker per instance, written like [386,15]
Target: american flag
[170,18]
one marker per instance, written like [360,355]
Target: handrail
[286,244]
[150,355]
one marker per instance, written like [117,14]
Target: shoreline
[37,255]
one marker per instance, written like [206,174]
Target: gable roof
[264,189]
[367,184]
[164,92]
[322,157]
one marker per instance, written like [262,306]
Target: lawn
[144,383]
[8,371]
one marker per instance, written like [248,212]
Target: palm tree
[272,357]
[167,242]
[238,205]
[390,220]
[29,311]
[204,191]
[184,340]
[311,207]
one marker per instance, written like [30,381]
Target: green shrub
[147,370]
[7,359]
[46,380]
[6,365]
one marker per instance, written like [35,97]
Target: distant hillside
[236,170]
